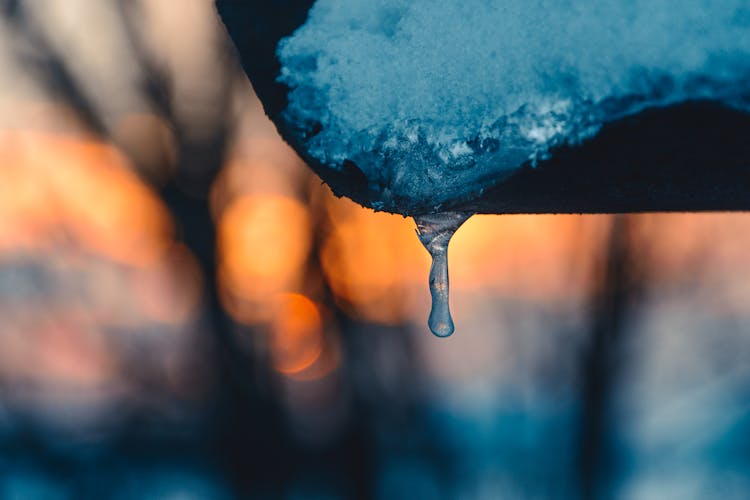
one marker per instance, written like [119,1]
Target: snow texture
[435,101]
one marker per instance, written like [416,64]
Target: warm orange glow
[263,243]
[324,365]
[242,177]
[296,333]
[82,189]
[260,163]
[377,267]
[698,252]
[532,256]
[373,260]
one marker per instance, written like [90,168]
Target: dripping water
[435,232]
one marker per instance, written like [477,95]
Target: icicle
[435,232]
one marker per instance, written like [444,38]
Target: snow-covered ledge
[509,106]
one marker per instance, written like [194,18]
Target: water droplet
[435,232]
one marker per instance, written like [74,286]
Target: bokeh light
[296,330]
[83,187]
[373,261]
[263,242]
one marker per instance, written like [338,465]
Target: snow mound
[436,101]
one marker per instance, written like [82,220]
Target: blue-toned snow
[436,100]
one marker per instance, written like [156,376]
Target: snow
[435,101]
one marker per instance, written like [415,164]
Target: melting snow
[436,100]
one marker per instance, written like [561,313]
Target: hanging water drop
[435,232]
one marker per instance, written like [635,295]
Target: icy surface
[435,101]
[435,232]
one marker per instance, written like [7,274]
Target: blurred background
[187,312]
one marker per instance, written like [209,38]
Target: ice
[435,232]
[435,101]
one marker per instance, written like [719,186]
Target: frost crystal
[434,101]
